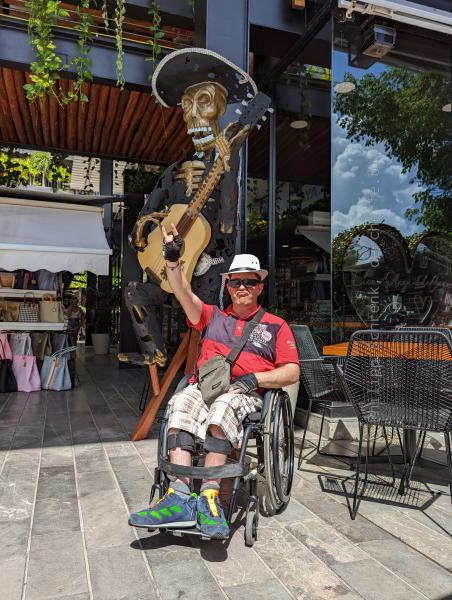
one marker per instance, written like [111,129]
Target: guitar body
[195,241]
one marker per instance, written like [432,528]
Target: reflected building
[349,192]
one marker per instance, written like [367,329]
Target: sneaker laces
[169,491]
[211,496]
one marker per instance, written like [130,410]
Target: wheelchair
[268,462]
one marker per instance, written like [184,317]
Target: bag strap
[247,330]
[67,350]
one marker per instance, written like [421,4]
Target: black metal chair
[399,379]
[319,380]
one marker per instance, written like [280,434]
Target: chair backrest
[305,342]
[445,330]
[401,378]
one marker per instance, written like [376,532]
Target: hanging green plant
[82,61]
[105,17]
[119,15]
[156,33]
[45,70]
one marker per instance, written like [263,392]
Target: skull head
[203,104]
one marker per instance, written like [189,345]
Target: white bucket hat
[246,263]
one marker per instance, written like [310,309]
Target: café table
[341,349]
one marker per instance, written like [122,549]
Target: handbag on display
[51,310]
[48,281]
[9,310]
[29,310]
[55,371]
[7,280]
[24,363]
[26,280]
[7,380]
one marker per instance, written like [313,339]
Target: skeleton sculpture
[216,153]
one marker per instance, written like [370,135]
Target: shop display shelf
[15,293]
[24,326]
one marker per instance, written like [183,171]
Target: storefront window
[391,176]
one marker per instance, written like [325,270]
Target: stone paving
[69,477]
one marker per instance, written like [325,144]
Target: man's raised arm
[172,245]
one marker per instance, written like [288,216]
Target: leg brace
[213,444]
[183,440]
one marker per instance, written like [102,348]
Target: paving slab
[263,590]
[12,572]
[411,566]
[117,573]
[56,567]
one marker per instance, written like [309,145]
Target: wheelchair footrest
[228,470]
[180,532]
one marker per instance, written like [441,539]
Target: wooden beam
[116,123]
[81,117]
[91,116]
[19,81]
[14,110]
[125,121]
[102,108]
[134,129]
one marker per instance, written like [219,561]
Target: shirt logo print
[260,336]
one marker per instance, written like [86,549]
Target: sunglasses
[248,283]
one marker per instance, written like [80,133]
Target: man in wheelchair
[268,360]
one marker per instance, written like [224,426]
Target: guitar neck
[200,198]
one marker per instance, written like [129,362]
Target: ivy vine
[45,70]
[105,17]
[156,33]
[119,15]
[82,61]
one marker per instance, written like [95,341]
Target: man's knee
[183,440]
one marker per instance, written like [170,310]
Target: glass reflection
[391,180]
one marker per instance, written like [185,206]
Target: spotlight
[300,124]
[447,107]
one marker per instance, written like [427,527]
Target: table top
[391,349]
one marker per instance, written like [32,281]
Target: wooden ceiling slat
[157,118]
[54,123]
[35,117]
[180,143]
[71,125]
[142,129]
[100,117]
[19,81]
[81,118]
[45,120]
[8,127]
[169,127]
[126,121]
[173,135]
[115,121]
[106,140]
[134,129]
[91,116]
[14,109]
[62,116]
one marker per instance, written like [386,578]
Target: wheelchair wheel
[251,522]
[278,452]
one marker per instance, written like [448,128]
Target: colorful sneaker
[170,511]
[211,519]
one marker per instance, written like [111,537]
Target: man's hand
[172,244]
[244,384]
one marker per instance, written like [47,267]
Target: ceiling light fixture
[447,107]
[300,124]
[344,87]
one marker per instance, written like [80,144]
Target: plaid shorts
[188,411]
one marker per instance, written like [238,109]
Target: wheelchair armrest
[182,383]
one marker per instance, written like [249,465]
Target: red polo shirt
[269,346]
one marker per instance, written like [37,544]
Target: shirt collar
[230,311]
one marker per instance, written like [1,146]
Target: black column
[131,271]
[223,26]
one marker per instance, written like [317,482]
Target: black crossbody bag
[214,377]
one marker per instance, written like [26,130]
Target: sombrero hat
[188,66]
